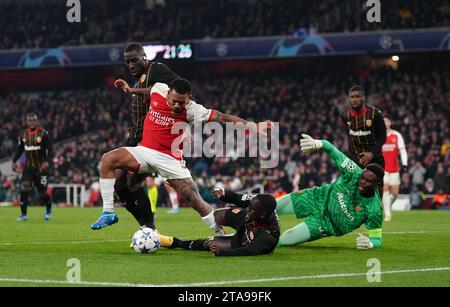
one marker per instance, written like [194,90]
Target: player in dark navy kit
[254,219]
[37,145]
[129,187]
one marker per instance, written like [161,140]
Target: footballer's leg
[173,200]
[41,183]
[301,204]
[25,188]
[188,190]
[141,200]
[386,199]
[119,158]
[132,194]
[285,205]
[295,235]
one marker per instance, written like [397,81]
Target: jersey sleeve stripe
[211,115]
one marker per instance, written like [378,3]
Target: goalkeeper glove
[308,144]
[363,242]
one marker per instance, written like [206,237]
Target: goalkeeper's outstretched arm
[343,163]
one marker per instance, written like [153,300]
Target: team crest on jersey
[368,122]
[236,210]
[349,165]
[358,208]
[142,80]
[38,139]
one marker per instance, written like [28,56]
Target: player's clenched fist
[218,192]
[308,144]
[122,84]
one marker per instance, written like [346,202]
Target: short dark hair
[134,47]
[387,116]
[356,88]
[181,86]
[377,170]
[29,115]
[267,202]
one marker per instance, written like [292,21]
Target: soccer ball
[145,240]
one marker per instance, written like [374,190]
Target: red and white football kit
[161,148]
[393,147]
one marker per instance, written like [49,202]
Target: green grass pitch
[35,253]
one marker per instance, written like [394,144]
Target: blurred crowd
[43,24]
[86,124]
[63,114]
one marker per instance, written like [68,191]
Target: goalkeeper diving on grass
[338,208]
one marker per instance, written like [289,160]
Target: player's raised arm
[126,88]
[343,163]
[227,196]
[229,118]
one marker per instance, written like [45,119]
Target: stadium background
[287,61]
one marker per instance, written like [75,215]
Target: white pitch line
[217,283]
[63,242]
[411,232]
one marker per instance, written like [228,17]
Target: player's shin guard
[23,202]
[107,191]
[295,235]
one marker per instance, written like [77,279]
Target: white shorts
[391,178]
[154,161]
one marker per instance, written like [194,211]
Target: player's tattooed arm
[228,118]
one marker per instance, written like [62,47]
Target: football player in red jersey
[168,106]
[394,146]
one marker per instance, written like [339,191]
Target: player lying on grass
[254,219]
[338,208]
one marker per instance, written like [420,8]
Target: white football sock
[174,199]
[107,191]
[387,203]
[211,222]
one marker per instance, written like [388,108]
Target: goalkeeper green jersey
[337,208]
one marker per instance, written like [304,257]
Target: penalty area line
[63,242]
[216,283]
